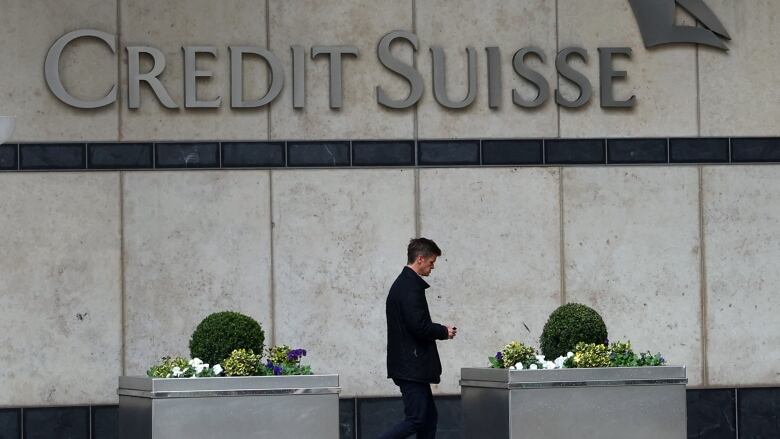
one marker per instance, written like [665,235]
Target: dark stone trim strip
[9,157]
[58,156]
[120,155]
[52,156]
[637,151]
[448,152]
[513,152]
[575,152]
[56,423]
[755,150]
[187,155]
[758,412]
[11,423]
[253,155]
[383,153]
[318,154]
[700,150]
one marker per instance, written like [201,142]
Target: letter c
[52,69]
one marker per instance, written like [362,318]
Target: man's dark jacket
[411,335]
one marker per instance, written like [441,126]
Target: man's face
[426,264]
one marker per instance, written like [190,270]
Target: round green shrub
[223,332]
[568,325]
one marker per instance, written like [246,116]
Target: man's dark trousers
[420,411]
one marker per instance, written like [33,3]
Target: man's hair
[421,247]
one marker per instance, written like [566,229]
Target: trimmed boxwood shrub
[222,332]
[568,325]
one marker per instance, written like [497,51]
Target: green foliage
[278,354]
[648,359]
[163,370]
[591,355]
[512,354]
[219,334]
[282,360]
[243,362]
[621,355]
[181,368]
[571,324]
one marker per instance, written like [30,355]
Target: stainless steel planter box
[603,403]
[229,407]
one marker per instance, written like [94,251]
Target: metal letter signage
[51,69]
[656,20]
[657,26]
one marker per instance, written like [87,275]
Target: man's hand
[451,332]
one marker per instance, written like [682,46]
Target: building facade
[175,158]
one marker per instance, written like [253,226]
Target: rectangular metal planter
[602,403]
[301,406]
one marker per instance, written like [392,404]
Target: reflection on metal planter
[229,407]
[603,403]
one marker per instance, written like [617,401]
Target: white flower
[569,354]
[533,367]
[512,368]
[217,369]
[549,365]
[540,358]
[176,371]
[201,367]
[195,362]
[519,366]
[559,362]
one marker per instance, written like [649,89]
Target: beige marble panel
[340,240]
[88,69]
[741,226]
[360,23]
[60,289]
[499,274]
[507,24]
[195,243]
[663,79]
[168,26]
[739,94]
[632,253]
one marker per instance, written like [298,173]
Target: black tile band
[8,157]
[709,150]
[318,154]
[11,423]
[253,154]
[637,151]
[387,153]
[512,152]
[575,152]
[755,150]
[448,152]
[187,155]
[59,156]
[383,153]
[120,155]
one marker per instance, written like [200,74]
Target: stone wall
[101,273]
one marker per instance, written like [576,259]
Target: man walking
[412,358]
